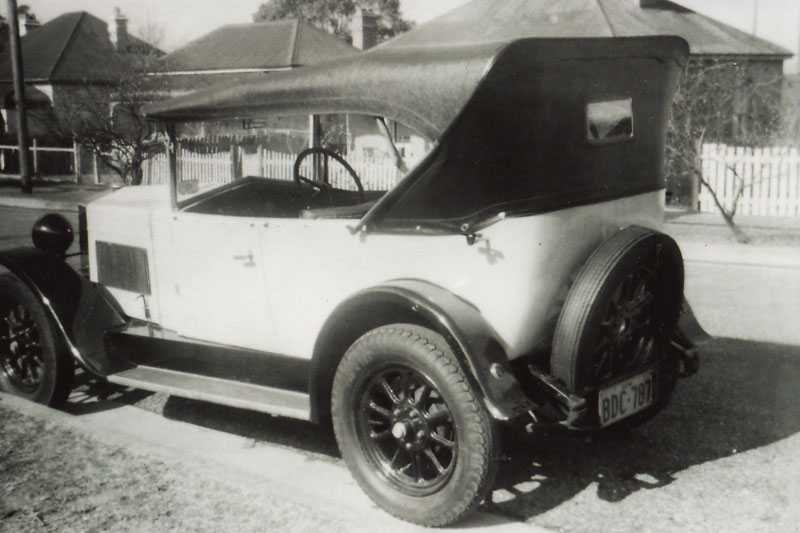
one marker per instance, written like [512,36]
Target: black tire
[33,364]
[621,310]
[411,428]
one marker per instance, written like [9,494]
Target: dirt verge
[54,478]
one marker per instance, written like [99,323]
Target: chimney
[122,31]
[651,4]
[31,23]
[365,29]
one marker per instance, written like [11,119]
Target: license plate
[626,398]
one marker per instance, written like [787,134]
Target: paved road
[724,456]
[16,224]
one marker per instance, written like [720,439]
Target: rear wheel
[410,427]
[32,364]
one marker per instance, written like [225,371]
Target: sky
[180,21]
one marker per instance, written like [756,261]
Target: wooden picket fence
[771,179]
[218,167]
[62,161]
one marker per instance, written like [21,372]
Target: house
[239,53]
[245,52]
[71,64]
[60,59]
[753,67]
[710,41]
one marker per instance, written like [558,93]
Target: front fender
[80,310]
[473,340]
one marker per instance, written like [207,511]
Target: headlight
[52,234]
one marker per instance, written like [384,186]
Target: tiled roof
[73,47]
[490,20]
[705,35]
[262,45]
[33,96]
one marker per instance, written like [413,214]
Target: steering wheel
[320,186]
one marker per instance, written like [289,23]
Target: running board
[221,391]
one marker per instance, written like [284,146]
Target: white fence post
[35,158]
[217,167]
[76,160]
[770,177]
[37,150]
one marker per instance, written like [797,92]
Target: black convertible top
[424,87]
[510,120]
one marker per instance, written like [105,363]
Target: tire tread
[481,438]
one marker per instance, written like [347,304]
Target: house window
[609,121]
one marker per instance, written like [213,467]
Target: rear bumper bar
[578,410]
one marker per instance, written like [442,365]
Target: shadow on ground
[258,427]
[745,396]
[90,395]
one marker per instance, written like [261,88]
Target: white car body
[515,274]
[248,282]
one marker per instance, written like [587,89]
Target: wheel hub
[409,426]
[399,430]
[407,429]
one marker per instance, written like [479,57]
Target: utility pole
[755,17]
[19,94]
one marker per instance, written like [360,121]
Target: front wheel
[32,363]
[410,427]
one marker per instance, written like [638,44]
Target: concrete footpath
[59,196]
[703,237]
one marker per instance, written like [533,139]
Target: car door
[217,272]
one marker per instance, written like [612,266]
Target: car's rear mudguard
[473,340]
[81,310]
[688,335]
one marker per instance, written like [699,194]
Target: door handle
[248,258]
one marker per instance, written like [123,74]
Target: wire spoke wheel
[33,364]
[411,428]
[626,335]
[620,311]
[20,349]
[406,428]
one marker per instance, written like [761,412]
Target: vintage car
[515,275]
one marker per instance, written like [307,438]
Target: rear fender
[688,335]
[81,310]
[689,331]
[472,339]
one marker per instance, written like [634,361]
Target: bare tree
[720,101]
[105,116]
[790,114]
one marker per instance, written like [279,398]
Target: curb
[38,203]
[742,255]
[746,222]
[53,198]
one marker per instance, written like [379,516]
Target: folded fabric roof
[424,87]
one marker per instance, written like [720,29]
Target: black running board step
[221,391]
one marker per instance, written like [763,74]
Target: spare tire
[621,310]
